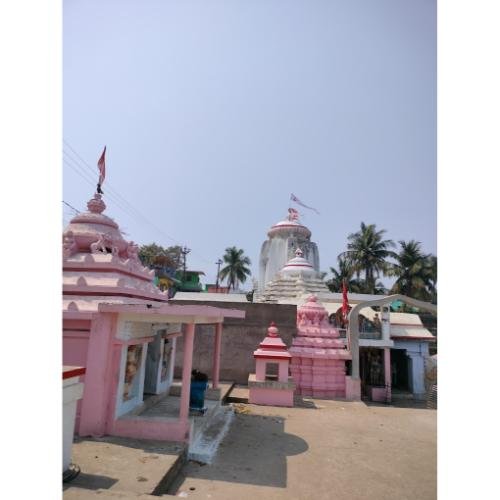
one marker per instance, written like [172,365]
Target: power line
[84,175]
[124,205]
[77,168]
[73,208]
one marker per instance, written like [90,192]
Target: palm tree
[367,252]
[344,273]
[415,271]
[354,285]
[236,270]
[433,279]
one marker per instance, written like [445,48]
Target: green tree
[344,273]
[236,270]
[154,256]
[367,253]
[415,272]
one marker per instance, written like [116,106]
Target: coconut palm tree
[367,253]
[354,285]
[344,273]
[236,270]
[415,271]
[433,279]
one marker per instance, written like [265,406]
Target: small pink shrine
[271,383]
[319,355]
[121,328]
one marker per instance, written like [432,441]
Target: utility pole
[184,251]
[219,262]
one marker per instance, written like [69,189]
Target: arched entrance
[353,328]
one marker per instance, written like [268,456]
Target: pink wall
[271,397]
[175,430]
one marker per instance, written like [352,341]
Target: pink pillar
[98,377]
[260,370]
[283,371]
[187,366]
[216,363]
[387,372]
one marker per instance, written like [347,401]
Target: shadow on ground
[301,402]
[91,482]
[262,438]
[414,404]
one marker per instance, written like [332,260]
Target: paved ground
[118,465]
[322,450]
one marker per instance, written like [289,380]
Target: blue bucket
[197,395]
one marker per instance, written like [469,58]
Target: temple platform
[205,430]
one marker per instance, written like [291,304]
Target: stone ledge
[270,384]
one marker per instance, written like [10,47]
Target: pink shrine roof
[272,345]
[100,265]
[316,337]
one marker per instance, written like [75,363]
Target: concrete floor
[320,450]
[119,465]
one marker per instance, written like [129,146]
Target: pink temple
[114,317]
[266,387]
[319,356]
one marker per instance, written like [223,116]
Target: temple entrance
[159,365]
[400,369]
[371,364]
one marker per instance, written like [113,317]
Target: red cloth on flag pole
[345,302]
[101,165]
[296,200]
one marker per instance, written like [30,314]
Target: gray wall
[240,337]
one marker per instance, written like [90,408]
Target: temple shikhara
[319,355]
[278,252]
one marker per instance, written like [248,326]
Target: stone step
[238,394]
[204,445]
[402,395]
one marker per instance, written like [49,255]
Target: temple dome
[99,265]
[298,265]
[287,226]
[92,228]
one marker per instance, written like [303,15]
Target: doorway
[399,370]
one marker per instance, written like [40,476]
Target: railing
[370,334]
[364,334]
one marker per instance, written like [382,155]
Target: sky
[214,112]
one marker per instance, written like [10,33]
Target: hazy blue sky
[213,112]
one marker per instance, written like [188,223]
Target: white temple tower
[284,238]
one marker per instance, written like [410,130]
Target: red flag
[101,165]
[345,302]
[296,200]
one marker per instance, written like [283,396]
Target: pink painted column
[99,376]
[283,371]
[387,373]
[187,366]
[216,362]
